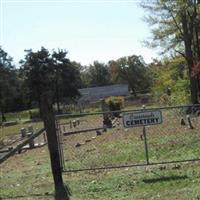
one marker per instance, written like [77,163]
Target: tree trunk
[61,192]
[188,35]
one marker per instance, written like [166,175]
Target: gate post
[61,191]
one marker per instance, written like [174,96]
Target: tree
[114,71]
[170,83]
[132,70]
[175,28]
[98,74]
[67,77]
[35,67]
[62,77]
[40,70]
[8,83]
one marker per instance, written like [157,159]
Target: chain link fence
[100,140]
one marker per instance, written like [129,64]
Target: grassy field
[31,179]
[21,120]
[28,176]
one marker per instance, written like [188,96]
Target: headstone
[190,126]
[30,132]
[74,123]
[23,132]
[98,132]
[78,121]
[182,122]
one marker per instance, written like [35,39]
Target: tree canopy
[175,28]
[131,70]
[8,84]
[50,72]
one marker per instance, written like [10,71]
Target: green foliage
[175,28]
[114,103]
[166,23]
[96,74]
[10,96]
[50,72]
[131,70]
[180,92]
[170,85]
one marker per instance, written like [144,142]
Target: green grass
[17,116]
[32,179]
[23,121]
[13,131]
[28,175]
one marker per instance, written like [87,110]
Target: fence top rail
[122,111]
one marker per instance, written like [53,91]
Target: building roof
[94,94]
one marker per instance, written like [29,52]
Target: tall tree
[8,83]
[114,71]
[175,27]
[63,77]
[131,70]
[98,74]
[35,66]
[170,82]
[67,77]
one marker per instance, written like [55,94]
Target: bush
[115,104]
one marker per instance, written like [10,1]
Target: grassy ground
[31,179]
[13,132]
[28,176]
[22,120]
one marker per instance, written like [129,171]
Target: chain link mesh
[87,144]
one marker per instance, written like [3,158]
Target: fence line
[90,145]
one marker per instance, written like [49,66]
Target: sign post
[145,142]
[142,118]
[146,145]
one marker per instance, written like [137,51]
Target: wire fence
[101,141]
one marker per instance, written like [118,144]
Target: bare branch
[181,53]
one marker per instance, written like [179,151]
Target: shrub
[115,103]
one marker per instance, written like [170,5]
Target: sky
[88,30]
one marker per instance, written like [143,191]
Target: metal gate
[86,143]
